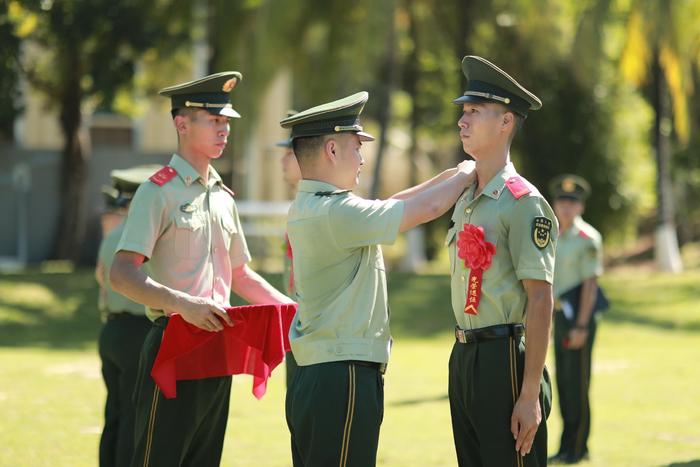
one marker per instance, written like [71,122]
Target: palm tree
[659,38]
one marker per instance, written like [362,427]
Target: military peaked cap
[342,115]
[210,93]
[125,182]
[569,186]
[488,83]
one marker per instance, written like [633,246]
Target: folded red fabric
[255,345]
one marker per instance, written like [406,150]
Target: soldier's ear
[330,147]
[180,123]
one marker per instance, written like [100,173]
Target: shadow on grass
[695,463]
[421,306]
[422,400]
[69,320]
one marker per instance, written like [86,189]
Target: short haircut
[305,148]
[184,112]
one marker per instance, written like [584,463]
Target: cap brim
[464,99]
[364,136]
[225,111]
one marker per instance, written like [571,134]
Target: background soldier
[185,223]
[340,335]
[124,330]
[579,263]
[501,247]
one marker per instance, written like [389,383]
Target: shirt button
[468,211]
[461,278]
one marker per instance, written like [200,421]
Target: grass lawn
[645,384]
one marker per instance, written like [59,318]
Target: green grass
[644,395]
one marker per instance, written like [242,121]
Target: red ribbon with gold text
[477,254]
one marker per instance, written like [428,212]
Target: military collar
[316,186]
[496,185]
[188,174]
[575,228]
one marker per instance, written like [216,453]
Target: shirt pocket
[190,237]
[229,230]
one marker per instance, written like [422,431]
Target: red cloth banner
[255,345]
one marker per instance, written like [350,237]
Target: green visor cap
[568,186]
[125,182]
[210,93]
[488,83]
[338,116]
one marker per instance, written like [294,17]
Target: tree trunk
[74,169]
[464,23]
[666,250]
[384,116]
[415,258]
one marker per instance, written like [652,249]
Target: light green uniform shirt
[579,256]
[339,274]
[509,224]
[111,301]
[189,231]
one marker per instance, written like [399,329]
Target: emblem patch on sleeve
[541,232]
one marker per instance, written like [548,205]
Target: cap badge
[230,84]
[568,185]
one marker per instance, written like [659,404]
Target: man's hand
[468,167]
[203,313]
[577,338]
[524,422]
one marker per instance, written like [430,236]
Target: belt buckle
[461,337]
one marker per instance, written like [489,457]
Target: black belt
[376,365]
[500,331]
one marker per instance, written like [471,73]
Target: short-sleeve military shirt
[111,301]
[579,256]
[189,231]
[524,232]
[339,276]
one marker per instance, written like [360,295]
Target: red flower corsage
[477,254]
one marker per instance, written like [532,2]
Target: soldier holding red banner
[185,223]
[501,246]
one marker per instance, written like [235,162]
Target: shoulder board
[163,176]
[228,190]
[517,186]
[331,193]
[583,234]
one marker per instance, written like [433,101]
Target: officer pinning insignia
[541,232]
[339,116]
[569,186]
[210,93]
[488,83]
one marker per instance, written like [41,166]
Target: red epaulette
[228,190]
[583,234]
[517,186]
[163,176]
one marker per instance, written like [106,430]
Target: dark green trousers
[291,366]
[185,431]
[119,346]
[573,375]
[334,411]
[484,383]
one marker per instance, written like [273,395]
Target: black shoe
[559,458]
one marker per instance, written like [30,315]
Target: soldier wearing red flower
[501,246]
